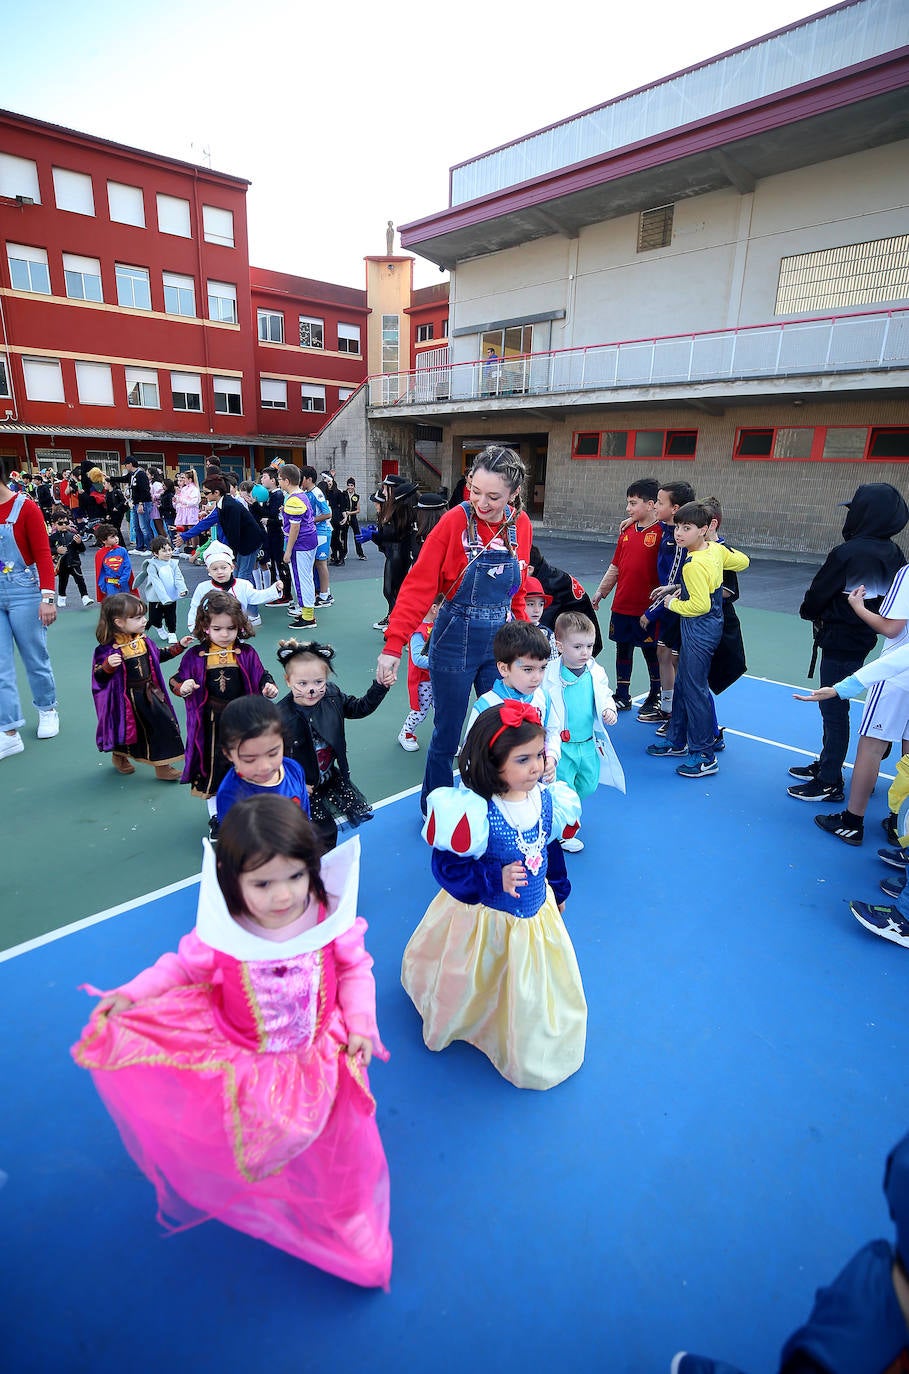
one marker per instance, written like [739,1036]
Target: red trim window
[635,443]
[823,444]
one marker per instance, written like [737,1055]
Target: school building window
[228,396]
[28,268]
[271,326]
[133,287]
[344,393]
[222,302]
[19,177]
[823,443]
[425,332]
[174,216]
[839,278]
[272,393]
[313,397]
[95,384]
[348,338]
[126,204]
[186,391]
[655,228]
[218,225]
[82,277]
[142,388]
[312,332]
[43,379]
[445,328]
[635,443]
[179,294]
[73,191]
[4,378]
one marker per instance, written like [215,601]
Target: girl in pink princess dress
[236,1069]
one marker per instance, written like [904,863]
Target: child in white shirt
[219,560]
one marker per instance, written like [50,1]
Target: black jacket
[327,719]
[567,595]
[867,557]
[139,487]
[241,529]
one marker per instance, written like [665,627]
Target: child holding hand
[253,740]
[419,682]
[256,1036]
[491,962]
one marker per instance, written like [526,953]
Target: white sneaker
[10,744]
[61,600]
[172,639]
[408,741]
[162,634]
[572,846]
[88,600]
[48,724]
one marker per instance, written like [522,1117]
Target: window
[142,388]
[637,443]
[845,443]
[179,294]
[445,328]
[222,302]
[28,268]
[107,459]
[793,442]
[218,225]
[348,338]
[507,343]
[754,443]
[43,379]
[173,216]
[186,391]
[19,177]
[126,204]
[313,397]
[133,287]
[271,326]
[345,393]
[655,228]
[228,396]
[390,343]
[82,277]
[273,393]
[5,389]
[312,332]
[889,443]
[425,332]
[95,384]
[839,278]
[73,191]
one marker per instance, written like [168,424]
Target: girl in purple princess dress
[256,1036]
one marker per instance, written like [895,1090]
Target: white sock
[666,700]
[212,804]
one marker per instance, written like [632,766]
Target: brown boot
[167,773]
[122,763]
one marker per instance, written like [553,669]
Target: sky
[345,115]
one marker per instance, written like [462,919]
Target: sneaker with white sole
[850,831]
[48,724]
[817,791]
[61,600]
[325,599]
[88,600]
[805,772]
[894,858]
[572,846]
[885,921]
[10,744]
[698,766]
[408,742]
[667,751]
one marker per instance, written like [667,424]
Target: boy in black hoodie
[866,557]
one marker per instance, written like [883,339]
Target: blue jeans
[693,717]
[460,658]
[20,597]
[835,716]
[145,528]
[246,564]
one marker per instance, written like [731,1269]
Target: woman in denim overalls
[24,616]
[475,606]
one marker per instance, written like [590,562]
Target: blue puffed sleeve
[468,880]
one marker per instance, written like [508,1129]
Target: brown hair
[260,829]
[290,473]
[573,622]
[103,532]
[481,761]
[221,603]
[120,606]
[214,482]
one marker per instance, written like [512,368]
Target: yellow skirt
[507,985]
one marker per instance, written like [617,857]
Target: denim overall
[693,717]
[20,598]
[460,648]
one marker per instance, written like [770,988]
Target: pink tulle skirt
[283,1146]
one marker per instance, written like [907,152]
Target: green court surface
[81,838]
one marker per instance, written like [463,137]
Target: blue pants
[460,658]
[835,716]
[246,564]
[20,597]
[693,719]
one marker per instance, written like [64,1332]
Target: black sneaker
[298,623]
[892,887]
[885,921]
[818,791]
[213,827]
[843,827]
[895,858]
[663,729]
[888,825]
[810,771]
[623,703]
[719,744]
[651,713]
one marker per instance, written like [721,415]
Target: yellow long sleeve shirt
[702,573]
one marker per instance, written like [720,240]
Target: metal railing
[831,344]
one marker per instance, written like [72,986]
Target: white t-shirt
[895,606]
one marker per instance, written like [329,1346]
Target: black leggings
[65,571]
[163,612]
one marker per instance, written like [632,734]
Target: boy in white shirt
[219,560]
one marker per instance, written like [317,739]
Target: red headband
[512,713]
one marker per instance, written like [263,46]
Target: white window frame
[143,383]
[126,273]
[19,177]
[78,272]
[185,385]
[272,393]
[6,390]
[272,333]
[34,259]
[425,333]
[222,294]
[73,191]
[174,216]
[316,329]
[348,334]
[227,391]
[94,384]
[126,204]
[43,376]
[345,393]
[185,289]
[312,397]
[218,225]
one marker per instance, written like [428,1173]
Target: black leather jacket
[327,719]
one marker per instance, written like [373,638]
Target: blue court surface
[718,1156]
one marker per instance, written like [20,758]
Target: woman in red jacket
[476,558]
[28,604]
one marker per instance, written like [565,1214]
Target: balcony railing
[833,344]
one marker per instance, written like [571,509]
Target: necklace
[531,850]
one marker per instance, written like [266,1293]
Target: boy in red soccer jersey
[633,573]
